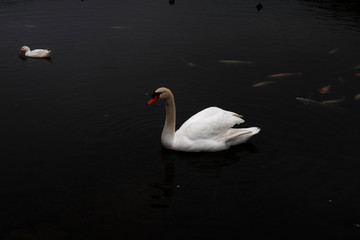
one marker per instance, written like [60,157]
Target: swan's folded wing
[209,123]
[39,53]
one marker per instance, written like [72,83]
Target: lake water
[81,156]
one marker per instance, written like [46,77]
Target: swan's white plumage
[209,123]
[36,53]
[209,130]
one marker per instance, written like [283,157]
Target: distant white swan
[36,53]
[209,130]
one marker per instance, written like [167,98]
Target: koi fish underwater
[333,101]
[357,96]
[325,89]
[333,51]
[327,103]
[260,84]
[307,101]
[234,61]
[280,75]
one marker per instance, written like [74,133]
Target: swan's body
[209,130]
[36,53]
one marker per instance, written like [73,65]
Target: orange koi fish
[325,89]
[259,84]
[280,75]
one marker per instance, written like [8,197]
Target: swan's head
[24,49]
[160,93]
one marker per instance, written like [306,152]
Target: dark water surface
[81,156]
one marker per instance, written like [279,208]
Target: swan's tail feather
[240,135]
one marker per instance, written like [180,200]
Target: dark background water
[81,156]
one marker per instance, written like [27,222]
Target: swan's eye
[155,94]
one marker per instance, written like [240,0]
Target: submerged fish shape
[333,51]
[280,75]
[190,64]
[325,89]
[118,27]
[260,84]
[333,101]
[307,101]
[30,26]
[357,66]
[234,61]
[327,103]
[357,96]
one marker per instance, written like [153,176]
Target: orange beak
[152,100]
[20,51]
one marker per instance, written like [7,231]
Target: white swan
[36,53]
[209,130]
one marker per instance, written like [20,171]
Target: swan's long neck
[168,133]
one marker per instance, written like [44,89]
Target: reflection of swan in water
[31,60]
[211,160]
[209,163]
[166,187]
